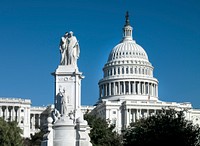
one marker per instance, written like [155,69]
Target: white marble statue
[56,115]
[63,102]
[69,49]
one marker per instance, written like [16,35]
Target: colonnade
[131,115]
[35,121]
[119,70]
[128,87]
[10,113]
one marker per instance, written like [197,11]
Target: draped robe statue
[69,49]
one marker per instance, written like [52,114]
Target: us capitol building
[128,91]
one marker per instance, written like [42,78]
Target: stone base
[64,132]
[67,132]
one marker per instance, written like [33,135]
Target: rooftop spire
[127,19]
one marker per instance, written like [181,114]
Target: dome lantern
[127,29]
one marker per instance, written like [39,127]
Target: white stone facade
[30,118]
[38,118]
[128,89]
[17,109]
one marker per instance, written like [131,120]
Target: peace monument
[66,125]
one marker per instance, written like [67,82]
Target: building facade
[31,119]
[128,90]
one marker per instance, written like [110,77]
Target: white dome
[128,50]
[128,74]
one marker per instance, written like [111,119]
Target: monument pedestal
[68,126]
[64,132]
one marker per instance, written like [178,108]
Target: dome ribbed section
[128,50]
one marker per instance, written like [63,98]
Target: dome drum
[132,88]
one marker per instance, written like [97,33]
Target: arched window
[122,70]
[127,87]
[136,70]
[131,70]
[126,70]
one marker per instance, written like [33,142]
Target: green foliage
[10,134]
[35,139]
[168,127]
[101,133]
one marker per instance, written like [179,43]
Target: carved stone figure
[69,49]
[63,49]
[56,115]
[63,102]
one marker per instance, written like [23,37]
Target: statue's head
[70,34]
[66,34]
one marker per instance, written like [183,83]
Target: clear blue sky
[30,31]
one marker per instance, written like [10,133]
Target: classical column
[6,113]
[139,90]
[119,121]
[134,115]
[109,87]
[18,115]
[148,89]
[140,113]
[147,112]
[129,87]
[150,93]
[157,91]
[124,83]
[33,121]
[13,113]
[153,90]
[137,114]
[128,117]
[39,120]
[142,88]
[114,88]
[134,87]
[119,88]
[105,89]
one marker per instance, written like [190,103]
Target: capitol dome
[128,73]
[128,50]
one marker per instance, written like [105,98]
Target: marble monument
[66,125]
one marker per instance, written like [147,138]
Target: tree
[101,133]
[10,134]
[35,139]
[169,127]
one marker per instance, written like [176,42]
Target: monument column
[68,128]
